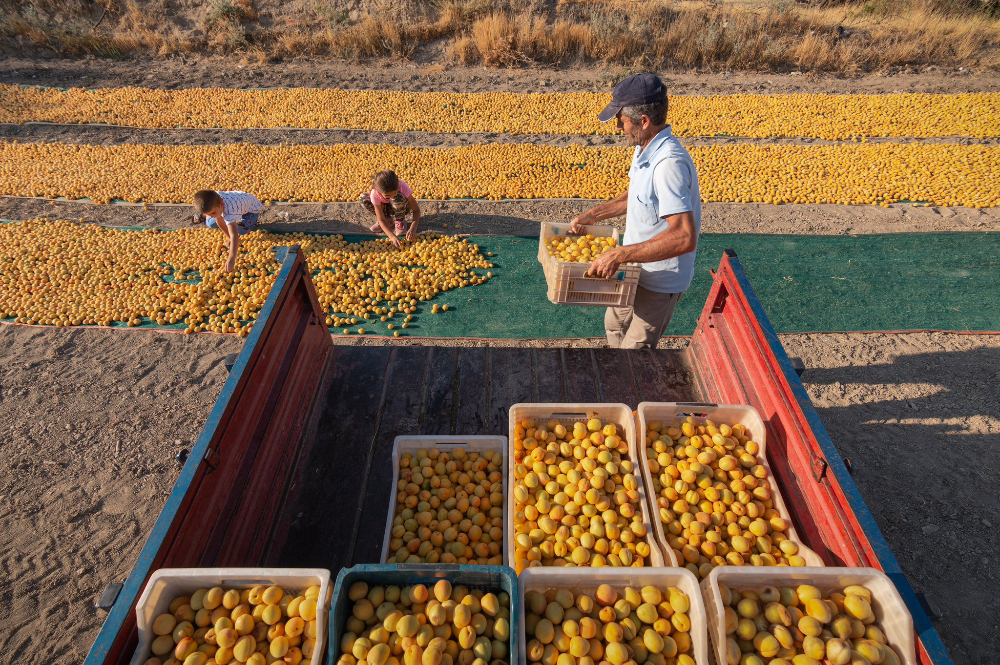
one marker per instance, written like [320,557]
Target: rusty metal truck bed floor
[336,510]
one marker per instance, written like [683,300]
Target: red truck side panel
[738,359]
[221,510]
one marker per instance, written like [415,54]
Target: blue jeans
[246,224]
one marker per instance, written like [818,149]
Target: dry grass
[136,30]
[494,40]
[829,36]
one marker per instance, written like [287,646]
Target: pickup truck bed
[337,515]
[292,467]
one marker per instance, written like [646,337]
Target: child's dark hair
[205,200]
[386,181]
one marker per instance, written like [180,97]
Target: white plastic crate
[567,414]
[588,579]
[167,584]
[730,414]
[891,613]
[568,283]
[447,443]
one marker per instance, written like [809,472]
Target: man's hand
[231,264]
[576,225]
[606,265]
[613,208]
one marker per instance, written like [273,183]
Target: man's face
[635,133]
[215,212]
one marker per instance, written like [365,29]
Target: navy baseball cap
[636,90]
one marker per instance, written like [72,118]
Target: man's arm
[680,238]
[613,208]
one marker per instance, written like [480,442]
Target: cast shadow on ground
[927,467]
[966,384]
[467,224]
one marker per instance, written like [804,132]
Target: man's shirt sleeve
[672,182]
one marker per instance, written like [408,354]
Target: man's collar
[662,136]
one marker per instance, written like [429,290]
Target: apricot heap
[64,273]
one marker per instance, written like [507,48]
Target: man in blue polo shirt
[662,209]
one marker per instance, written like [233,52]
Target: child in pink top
[391,197]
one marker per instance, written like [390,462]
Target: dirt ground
[522,217]
[91,421]
[918,415]
[85,485]
[219,72]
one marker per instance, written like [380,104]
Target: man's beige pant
[641,325]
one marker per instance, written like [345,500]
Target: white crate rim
[575,409]
[547,230]
[812,559]
[899,634]
[569,278]
[236,578]
[682,578]
[476,443]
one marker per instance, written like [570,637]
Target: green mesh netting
[805,283]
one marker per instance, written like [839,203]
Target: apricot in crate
[578,249]
[715,498]
[801,625]
[616,625]
[576,497]
[217,626]
[449,508]
[417,625]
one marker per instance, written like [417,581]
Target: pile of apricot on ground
[64,273]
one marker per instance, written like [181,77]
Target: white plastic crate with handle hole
[588,579]
[567,415]
[167,584]
[670,413]
[446,443]
[891,614]
[568,283]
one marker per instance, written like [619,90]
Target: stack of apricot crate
[717,515]
[578,539]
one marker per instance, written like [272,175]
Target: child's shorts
[246,224]
[396,209]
